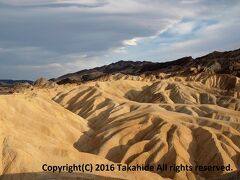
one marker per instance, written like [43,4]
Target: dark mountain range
[216,62]
[10,82]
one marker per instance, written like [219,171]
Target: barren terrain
[123,118]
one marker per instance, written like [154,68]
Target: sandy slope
[176,120]
[35,130]
[192,121]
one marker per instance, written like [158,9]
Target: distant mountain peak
[225,62]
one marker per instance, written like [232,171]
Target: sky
[49,38]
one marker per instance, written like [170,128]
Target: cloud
[131,42]
[51,70]
[183,28]
[51,4]
[57,36]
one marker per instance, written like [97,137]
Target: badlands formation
[189,118]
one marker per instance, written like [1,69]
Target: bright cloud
[131,42]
